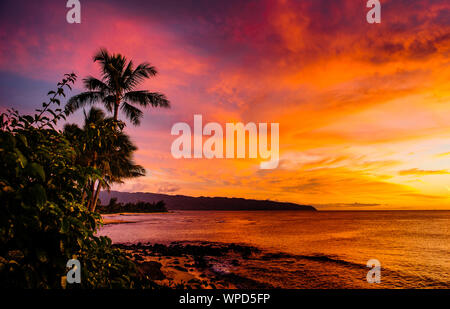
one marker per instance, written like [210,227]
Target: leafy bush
[43,221]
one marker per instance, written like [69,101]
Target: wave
[314,257]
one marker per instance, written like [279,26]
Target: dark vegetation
[140,207]
[182,202]
[50,181]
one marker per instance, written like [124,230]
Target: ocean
[302,249]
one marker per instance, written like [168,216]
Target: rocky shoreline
[214,265]
[199,265]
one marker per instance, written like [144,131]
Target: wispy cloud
[419,172]
[355,102]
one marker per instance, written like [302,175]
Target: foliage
[43,222]
[144,207]
[117,87]
[102,144]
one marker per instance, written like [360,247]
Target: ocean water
[322,249]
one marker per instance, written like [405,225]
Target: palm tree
[117,87]
[103,146]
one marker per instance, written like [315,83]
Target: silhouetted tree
[102,145]
[116,87]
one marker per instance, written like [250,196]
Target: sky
[363,109]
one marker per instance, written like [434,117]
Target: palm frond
[142,72]
[116,84]
[128,70]
[107,61]
[102,55]
[83,99]
[94,115]
[145,98]
[94,84]
[132,113]
[109,102]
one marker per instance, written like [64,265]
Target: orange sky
[364,110]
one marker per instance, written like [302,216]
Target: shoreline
[188,265]
[194,265]
[212,262]
[215,265]
[108,221]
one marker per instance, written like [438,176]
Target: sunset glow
[363,109]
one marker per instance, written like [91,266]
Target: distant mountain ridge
[183,202]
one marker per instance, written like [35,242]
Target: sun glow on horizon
[363,110]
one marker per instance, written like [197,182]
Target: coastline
[213,265]
[189,258]
[186,265]
[189,265]
[109,221]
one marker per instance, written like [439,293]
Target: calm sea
[322,249]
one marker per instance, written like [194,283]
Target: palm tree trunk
[94,202]
[116,110]
[116,106]
[91,199]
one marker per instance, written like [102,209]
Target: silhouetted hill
[182,202]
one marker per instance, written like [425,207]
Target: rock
[137,257]
[180,268]
[152,269]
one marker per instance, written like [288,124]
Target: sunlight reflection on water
[409,244]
